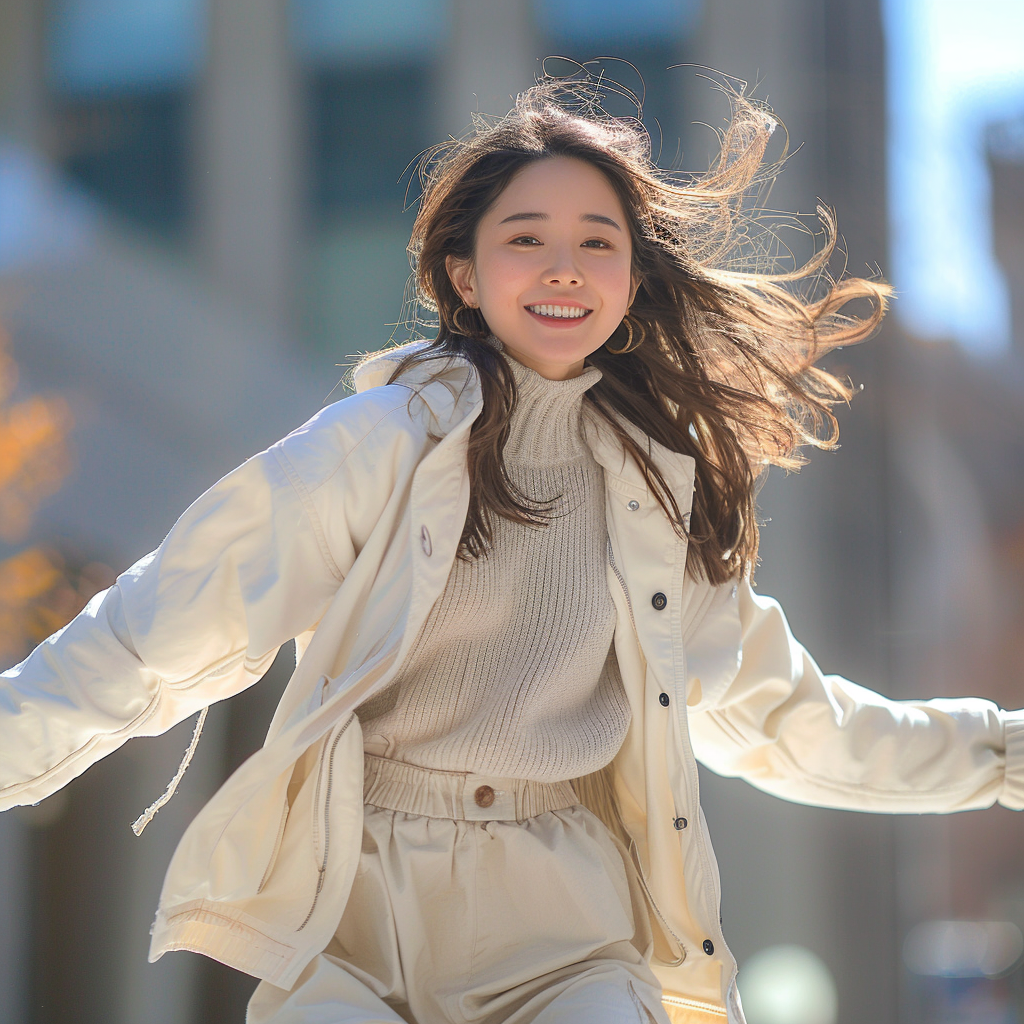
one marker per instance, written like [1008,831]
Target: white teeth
[565,312]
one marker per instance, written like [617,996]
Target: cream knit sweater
[513,672]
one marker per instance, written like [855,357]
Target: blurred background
[202,218]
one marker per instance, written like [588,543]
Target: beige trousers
[479,900]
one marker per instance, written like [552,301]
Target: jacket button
[663,699]
[680,824]
[425,541]
[633,505]
[484,796]
[659,601]
[708,946]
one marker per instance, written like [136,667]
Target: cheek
[501,280]
[617,284]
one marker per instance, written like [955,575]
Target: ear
[462,275]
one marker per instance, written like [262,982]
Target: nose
[563,271]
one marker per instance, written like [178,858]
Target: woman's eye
[592,243]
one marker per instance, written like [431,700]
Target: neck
[544,428]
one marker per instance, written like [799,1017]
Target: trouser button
[484,796]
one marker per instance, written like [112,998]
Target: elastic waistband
[396,786]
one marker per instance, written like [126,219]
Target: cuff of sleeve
[1012,795]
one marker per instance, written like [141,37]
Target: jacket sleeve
[244,569]
[788,729]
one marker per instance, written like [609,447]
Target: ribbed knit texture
[513,672]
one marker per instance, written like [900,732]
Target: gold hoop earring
[629,346]
[458,327]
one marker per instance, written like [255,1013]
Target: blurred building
[959,454]
[203,213]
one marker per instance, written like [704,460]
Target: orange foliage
[38,592]
[33,451]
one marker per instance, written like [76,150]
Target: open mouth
[550,313]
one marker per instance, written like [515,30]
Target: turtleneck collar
[544,429]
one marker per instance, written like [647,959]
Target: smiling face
[551,272]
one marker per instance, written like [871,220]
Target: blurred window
[120,72]
[333,32]
[365,126]
[627,22]
[367,70]
[369,73]
[100,45]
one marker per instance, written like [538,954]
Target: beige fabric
[479,917]
[512,673]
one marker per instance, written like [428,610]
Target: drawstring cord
[150,812]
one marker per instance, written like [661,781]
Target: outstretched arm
[242,571]
[792,731]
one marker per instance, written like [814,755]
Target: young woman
[517,567]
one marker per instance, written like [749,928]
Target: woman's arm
[247,567]
[819,739]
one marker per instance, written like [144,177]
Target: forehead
[558,184]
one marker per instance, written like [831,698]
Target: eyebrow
[592,218]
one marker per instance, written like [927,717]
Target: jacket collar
[456,395]
[374,369]
[451,396]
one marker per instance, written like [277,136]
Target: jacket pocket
[676,952]
[244,853]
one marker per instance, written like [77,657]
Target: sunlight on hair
[788,984]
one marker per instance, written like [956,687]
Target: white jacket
[342,536]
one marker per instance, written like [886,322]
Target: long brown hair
[725,372]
